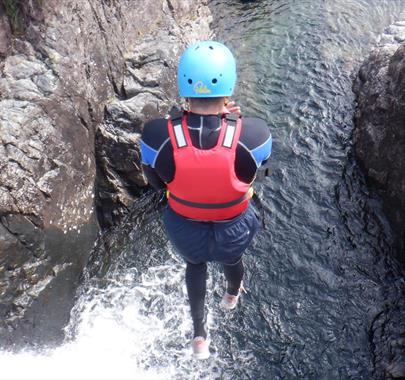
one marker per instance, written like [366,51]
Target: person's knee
[196,267]
[233,262]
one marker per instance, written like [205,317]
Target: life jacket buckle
[233,117]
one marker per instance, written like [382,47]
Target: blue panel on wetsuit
[148,154]
[262,152]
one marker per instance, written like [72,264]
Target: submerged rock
[380,133]
[62,84]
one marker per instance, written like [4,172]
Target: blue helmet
[207,69]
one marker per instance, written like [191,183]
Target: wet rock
[5,32]
[62,84]
[46,181]
[397,370]
[148,90]
[380,134]
[380,149]
[387,342]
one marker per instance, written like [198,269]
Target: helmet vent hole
[214,81]
[211,48]
[190,81]
[220,75]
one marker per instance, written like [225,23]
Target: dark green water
[321,271]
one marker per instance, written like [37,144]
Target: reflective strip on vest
[229,135]
[227,142]
[180,139]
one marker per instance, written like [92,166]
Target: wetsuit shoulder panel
[254,147]
[154,135]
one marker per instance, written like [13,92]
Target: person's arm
[263,171]
[153,179]
[149,153]
[262,157]
[254,150]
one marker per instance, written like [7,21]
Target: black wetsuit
[253,149]
[199,242]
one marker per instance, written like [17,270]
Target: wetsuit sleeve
[262,153]
[151,141]
[254,149]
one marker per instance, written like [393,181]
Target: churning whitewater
[126,326]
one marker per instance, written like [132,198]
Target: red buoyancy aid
[205,186]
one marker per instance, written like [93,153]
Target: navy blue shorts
[224,242]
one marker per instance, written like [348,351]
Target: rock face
[5,32]
[380,148]
[380,125]
[148,90]
[387,342]
[76,83]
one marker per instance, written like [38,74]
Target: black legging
[196,276]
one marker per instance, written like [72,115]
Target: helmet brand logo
[201,88]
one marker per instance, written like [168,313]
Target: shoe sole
[202,356]
[226,306]
[205,354]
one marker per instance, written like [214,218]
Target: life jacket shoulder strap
[232,117]
[175,114]
[228,138]
[232,131]
[175,125]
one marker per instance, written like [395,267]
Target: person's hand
[231,107]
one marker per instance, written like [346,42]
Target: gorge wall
[380,125]
[380,149]
[78,78]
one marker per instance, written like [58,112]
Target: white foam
[129,329]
